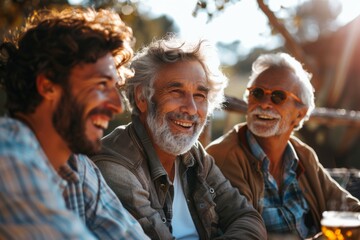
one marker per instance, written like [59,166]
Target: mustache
[259,111]
[102,111]
[184,116]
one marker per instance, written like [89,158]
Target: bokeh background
[323,34]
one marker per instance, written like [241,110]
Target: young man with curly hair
[60,76]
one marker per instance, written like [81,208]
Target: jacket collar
[155,166]
[241,133]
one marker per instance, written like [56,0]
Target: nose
[189,105]
[114,102]
[265,102]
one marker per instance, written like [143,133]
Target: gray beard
[174,144]
[264,129]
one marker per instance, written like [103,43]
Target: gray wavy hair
[266,61]
[148,61]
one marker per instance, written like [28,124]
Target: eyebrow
[203,89]
[105,77]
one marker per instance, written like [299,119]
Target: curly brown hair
[51,43]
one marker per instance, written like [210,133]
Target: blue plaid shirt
[285,212]
[35,200]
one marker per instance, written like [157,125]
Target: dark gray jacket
[132,169]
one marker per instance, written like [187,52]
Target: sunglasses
[276,96]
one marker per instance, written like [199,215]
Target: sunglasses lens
[278,96]
[258,93]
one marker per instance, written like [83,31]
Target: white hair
[266,61]
[148,61]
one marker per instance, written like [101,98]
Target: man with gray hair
[280,175]
[156,165]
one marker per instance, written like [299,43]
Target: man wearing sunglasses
[280,175]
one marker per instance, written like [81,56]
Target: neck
[274,146]
[168,162]
[51,142]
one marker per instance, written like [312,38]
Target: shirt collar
[255,147]
[68,171]
[291,159]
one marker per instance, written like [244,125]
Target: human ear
[140,100]
[46,88]
[301,113]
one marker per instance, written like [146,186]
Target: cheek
[289,118]
[202,109]
[95,96]
[251,107]
[90,99]
[167,105]
[177,105]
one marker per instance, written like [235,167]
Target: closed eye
[200,96]
[176,92]
[102,85]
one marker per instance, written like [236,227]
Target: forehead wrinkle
[181,84]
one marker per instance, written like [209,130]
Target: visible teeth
[265,117]
[183,124]
[101,123]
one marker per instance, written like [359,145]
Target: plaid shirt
[285,212]
[35,201]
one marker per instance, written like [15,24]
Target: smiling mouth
[100,122]
[100,117]
[265,117]
[183,124]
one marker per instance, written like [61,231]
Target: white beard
[175,144]
[264,128]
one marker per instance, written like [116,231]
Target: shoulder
[91,172]
[205,162]
[116,135]
[82,164]
[19,146]
[227,144]
[304,151]
[15,134]
[308,160]
[228,140]
[23,163]
[119,148]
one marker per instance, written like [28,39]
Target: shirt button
[163,220]
[162,187]
[201,205]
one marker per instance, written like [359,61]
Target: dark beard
[69,123]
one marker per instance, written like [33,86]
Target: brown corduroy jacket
[234,158]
